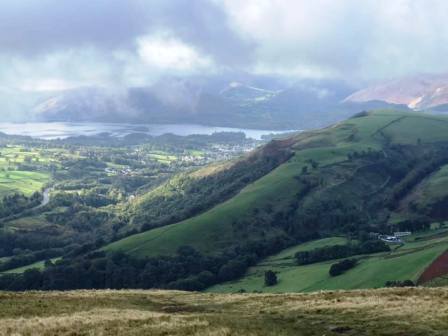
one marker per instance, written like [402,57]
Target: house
[402,234]
[391,239]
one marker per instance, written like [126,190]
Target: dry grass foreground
[408,311]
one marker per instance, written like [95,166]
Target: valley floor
[405,311]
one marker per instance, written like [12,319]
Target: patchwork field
[409,311]
[22,182]
[13,179]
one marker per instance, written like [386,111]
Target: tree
[232,269]
[408,283]
[270,278]
[342,266]
[399,283]
[207,278]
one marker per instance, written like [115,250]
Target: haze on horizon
[48,46]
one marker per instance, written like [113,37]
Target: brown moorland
[393,311]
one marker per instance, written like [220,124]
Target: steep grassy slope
[405,262]
[339,167]
[375,312]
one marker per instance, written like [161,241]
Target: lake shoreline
[64,130]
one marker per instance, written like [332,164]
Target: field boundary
[438,268]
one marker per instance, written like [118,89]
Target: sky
[52,45]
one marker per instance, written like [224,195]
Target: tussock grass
[404,311]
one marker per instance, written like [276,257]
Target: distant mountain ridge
[249,103]
[418,93]
[232,100]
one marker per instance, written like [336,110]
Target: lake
[61,130]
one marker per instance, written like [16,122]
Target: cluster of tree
[399,283]
[130,183]
[340,251]
[96,200]
[365,154]
[437,209]
[340,217]
[28,167]
[187,270]
[79,168]
[342,266]
[72,223]
[13,244]
[270,278]
[398,160]
[361,114]
[414,223]
[80,211]
[17,203]
[92,198]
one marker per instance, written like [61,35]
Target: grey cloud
[30,27]
[346,38]
[34,26]
[205,25]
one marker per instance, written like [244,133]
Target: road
[45,197]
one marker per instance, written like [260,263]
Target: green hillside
[214,227]
[328,151]
[373,174]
